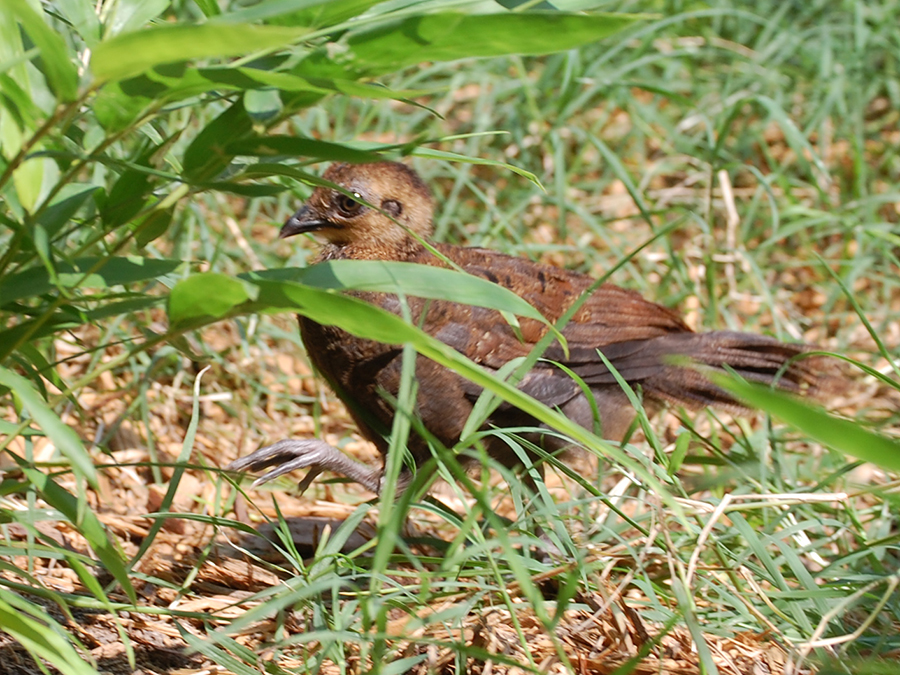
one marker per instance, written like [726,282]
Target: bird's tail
[756,358]
[675,367]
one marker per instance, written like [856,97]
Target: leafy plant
[113,117]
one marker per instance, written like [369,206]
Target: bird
[384,211]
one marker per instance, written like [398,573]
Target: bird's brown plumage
[384,213]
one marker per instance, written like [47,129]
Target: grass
[763,137]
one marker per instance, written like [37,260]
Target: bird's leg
[290,454]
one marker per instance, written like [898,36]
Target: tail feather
[654,364]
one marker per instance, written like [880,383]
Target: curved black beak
[300,222]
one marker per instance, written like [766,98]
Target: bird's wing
[609,315]
[611,319]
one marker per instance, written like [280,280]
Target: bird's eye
[347,205]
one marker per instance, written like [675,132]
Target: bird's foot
[316,455]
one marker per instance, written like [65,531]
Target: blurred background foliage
[152,145]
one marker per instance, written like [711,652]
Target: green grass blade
[843,435]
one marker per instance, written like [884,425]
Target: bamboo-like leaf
[445,36]
[61,73]
[134,53]
[423,281]
[113,272]
[203,298]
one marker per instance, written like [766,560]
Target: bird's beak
[300,222]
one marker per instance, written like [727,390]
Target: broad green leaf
[153,226]
[446,36]
[244,189]
[65,205]
[262,104]
[64,438]
[126,198]
[29,179]
[257,78]
[49,176]
[272,169]
[36,367]
[423,281]
[254,78]
[18,116]
[134,53]
[113,272]
[842,435]
[120,102]
[206,157]
[203,298]
[10,428]
[116,109]
[19,103]
[173,82]
[60,71]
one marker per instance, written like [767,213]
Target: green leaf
[64,438]
[203,298]
[10,428]
[126,198]
[42,636]
[269,146]
[446,36]
[60,71]
[117,109]
[843,435]
[153,226]
[409,279]
[123,100]
[262,104]
[66,318]
[87,523]
[131,15]
[300,12]
[83,17]
[210,8]
[244,189]
[429,153]
[65,205]
[113,272]
[206,157]
[19,103]
[134,53]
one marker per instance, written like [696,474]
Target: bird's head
[383,195]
